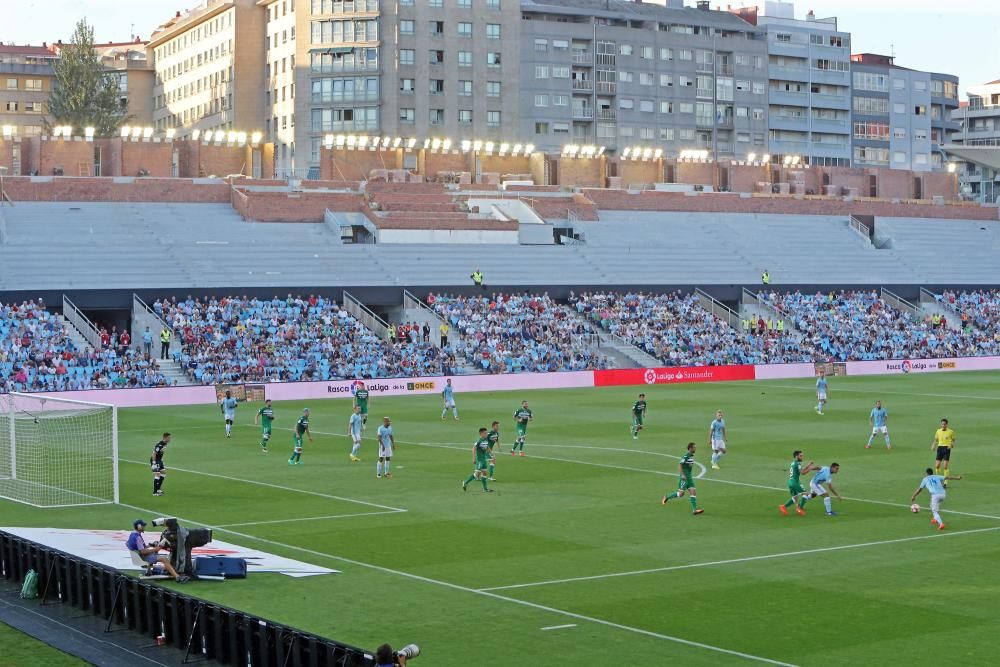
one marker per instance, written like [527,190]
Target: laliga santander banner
[672,375]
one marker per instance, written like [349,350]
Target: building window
[871,81]
[560,100]
[11,106]
[493,119]
[436,28]
[407,116]
[899,84]
[685,54]
[666,54]
[899,108]
[560,45]
[11,84]
[406,27]
[646,106]
[645,79]
[36,84]
[625,49]
[541,71]
[406,85]
[492,89]
[560,128]
[666,107]
[646,53]
[899,133]
[877,106]
[541,45]
[666,134]
[437,86]
[541,128]
[406,56]
[920,110]
[464,4]
[464,29]
[871,130]
[436,57]
[464,88]
[666,80]
[541,100]
[436,117]
[626,103]
[465,58]
[465,116]
[899,157]
[493,4]
[493,60]
[492,31]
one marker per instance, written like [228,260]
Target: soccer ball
[914,508]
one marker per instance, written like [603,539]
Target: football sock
[157,483]
[298,456]
[455,412]
[790,502]
[715,458]
[229,428]
[802,502]
[673,495]
[483,480]
[386,466]
[828,503]
[492,467]
[937,517]
[887,444]
[354,450]
[444,412]
[945,469]
[694,502]
[470,478]
[871,438]
[378,468]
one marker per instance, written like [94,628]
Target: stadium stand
[676,329]
[861,326]
[38,353]
[508,333]
[976,310]
[247,339]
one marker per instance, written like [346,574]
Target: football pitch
[573,560]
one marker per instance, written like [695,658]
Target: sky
[949,36]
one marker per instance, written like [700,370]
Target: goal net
[56,452]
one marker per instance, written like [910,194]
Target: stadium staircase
[930,306]
[625,355]
[416,206]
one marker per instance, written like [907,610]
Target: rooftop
[639,11]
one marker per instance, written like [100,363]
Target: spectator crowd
[510,333]
[238,339]
[37,354]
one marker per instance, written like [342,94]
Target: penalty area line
[559,627]
[488,594]
[306,518]
[274,486]
[748,559]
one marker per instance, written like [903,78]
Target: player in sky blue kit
[449,400]
[816,486]
[354,428]
[935,486]
[717,438]
[878,419]
[386,443]
[228,407]
[821,389]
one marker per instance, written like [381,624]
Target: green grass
[20,650]
[585,503]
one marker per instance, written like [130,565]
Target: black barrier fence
[203,630]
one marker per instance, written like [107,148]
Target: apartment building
[209,67]
[128,63]
[809,87]
[25,84]
[978,125]
[621,74]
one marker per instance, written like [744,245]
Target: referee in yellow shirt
[944,442]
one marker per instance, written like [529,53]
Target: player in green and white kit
[521,418]
[795,490]
[301,428]
[265,416]
[638,415]
[481,458]
[685,481]
[494,438]
[361,401]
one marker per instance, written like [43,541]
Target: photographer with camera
[151,554]
[386,657]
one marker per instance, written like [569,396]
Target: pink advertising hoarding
[138,398]
[784,371]
[922,365]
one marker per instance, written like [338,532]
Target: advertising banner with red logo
[672,375]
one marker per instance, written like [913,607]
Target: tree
[83,93]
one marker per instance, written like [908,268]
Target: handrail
[927,296]
[898,302]
[364,314]
[81,323]
[749,298]
[717,308]
[860,228]
[146,309]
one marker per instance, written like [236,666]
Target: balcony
[583,84]
[830,125]
[583,57]
[607,87]
[784,122]
[607,114]
[724,70]
[606,59]
[584,113]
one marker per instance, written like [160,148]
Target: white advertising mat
[107,547]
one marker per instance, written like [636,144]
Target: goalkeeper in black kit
[156,464]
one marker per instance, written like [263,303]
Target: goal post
[57,452]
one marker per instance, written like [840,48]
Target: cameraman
[136,542]
[386,657]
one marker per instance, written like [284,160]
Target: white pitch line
[559,627]
[747,559]
[848,390]
[274,486]
[495,596]
[306,518]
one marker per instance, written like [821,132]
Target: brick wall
[292,207]
[70,155]
[7,155]
[639,172]
[744,177]
[155,157]
[582,172]
[104,189]
[430,163]
[734,203]
[505,165]
[351,165]
[695,173]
